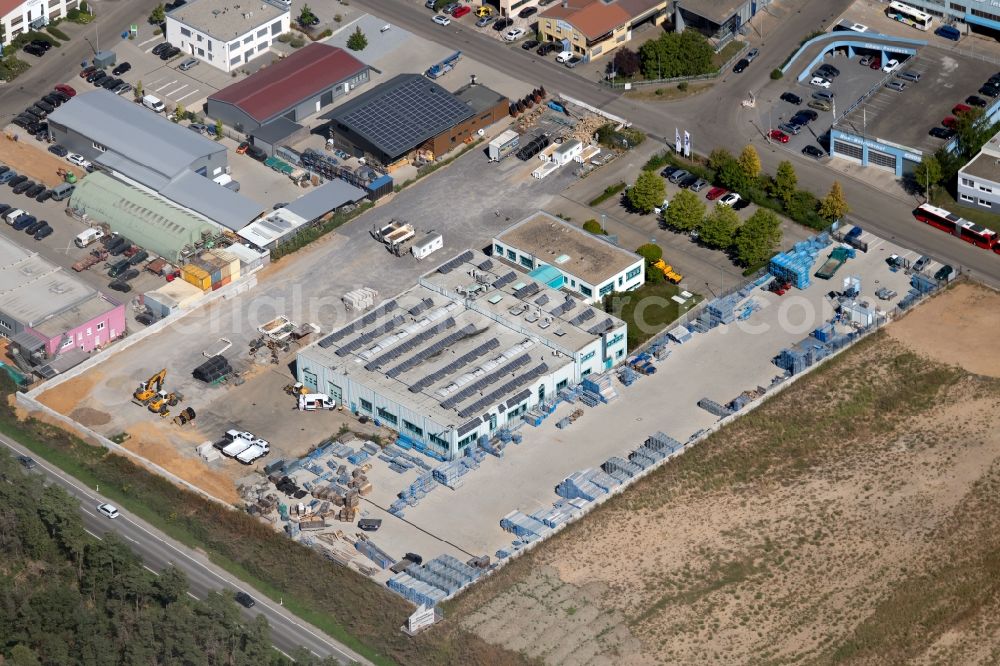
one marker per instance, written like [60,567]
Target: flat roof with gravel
[568,248]
[227,19]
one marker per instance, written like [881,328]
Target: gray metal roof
[144,137]
[402,113]
[325,198]
[132,170]
[217,203]
[276,131]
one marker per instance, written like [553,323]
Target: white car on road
[514,34]
[730,199]
[108,510]
[890,66]
[441,19]
[564,56]
[820,82]
[77,159]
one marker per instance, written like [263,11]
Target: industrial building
[143,148]
[411,115]
[720,20]
[147,219]
[983,15]
[226,34]
[283,224]
[979,180]
[20,16]
[46,311]
[464,353]
[565,257]
[291,89]
[595,28]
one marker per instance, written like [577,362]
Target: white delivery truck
[153,103]
[85,238]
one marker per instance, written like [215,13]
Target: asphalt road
[715,119]
[157,550]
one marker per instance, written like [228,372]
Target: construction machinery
[161,402]
[668,271]
[150,388]
[443,67]
[186,416]
[295,389]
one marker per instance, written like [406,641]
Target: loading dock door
[882,160]
[335,393]
[847,150]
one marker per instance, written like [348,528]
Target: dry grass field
[854,518]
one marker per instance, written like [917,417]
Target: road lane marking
[166,85]
[151,39]
[152,571]
[174,92]
[190,594]
[92,534]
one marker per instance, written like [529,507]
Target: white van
[12,216]
[87,237]
[153,103]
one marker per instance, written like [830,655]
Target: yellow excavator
[668,271]
[162,400]
[150,388]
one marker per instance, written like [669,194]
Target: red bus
[968,231]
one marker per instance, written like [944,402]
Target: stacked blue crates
[415,591]
[721,311]
[796,265]
[523,525]
[615,464]
[663,442]
[578,485]
[824,333]
[374,553]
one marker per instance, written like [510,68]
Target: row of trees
[670,55]
[67,598]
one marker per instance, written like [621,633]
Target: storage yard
[796,532]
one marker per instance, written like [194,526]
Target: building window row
[966,197]
[365,405]
[633,273]
[439,441]
[606,289]
[465,441]
[413,428]
[968,182]
[185,32]
[387,416]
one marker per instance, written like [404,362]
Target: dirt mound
[958,327]
[90,417]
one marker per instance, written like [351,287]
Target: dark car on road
[44,196]
[26,462]
[122,68]
[942,132]
[529,44]
[813,152]
[36,51]
[741,65]
[24,186]
[34,190]
[791,98]
[527,11]
[33,228]
[45,106]
[59,150]
[548,47]
[502,24]
[257,153]
[160,48]
[44,232]
[244,599]
[17,180]
[973,100]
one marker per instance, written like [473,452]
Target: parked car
[912,77]
[564,56]
[160,48]
[669,171]
[804,117]
[44,196]
[790,129]
[33,228]
[989,91]
[441,19]
[244,599]
[819,82]
[791,98]
[502,24]
[921,263]
[715,193]
[459,12]
[974,100]
[548,47]
[53,100]
[7,176]
[959,109]
[35,190]
[123,89]
[828,71]
[574,61]
[23,222]
[866,61]
[111,83]
[741,65]
[45,106]
[257,153]
[950,122]
[688,181]
[87,71]
[187,64]
[484,21]
[529,44]
[36,51]
[678,176]
[876,63]
[527,11]
[898,86]
[813,152]
[699,185]
[121,68]
[948,32]
[514,34]
[145,318]
[730,199]
[138,257]
[752,55]
[16,180]
[242,148]
[44,232]
[890,66]
[820,105]
[942,132]
[65,89]
[944,273]
[58,150]
[26,462]
[76,159]
[170,53]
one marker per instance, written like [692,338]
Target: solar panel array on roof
[461,361]
[469,427]
[403,113]
[481,383]
[370,336]
[512,385]
[599,329]
[421,306]
[454,263]
[586,315]
[407,345]
[486,265]
[523,395]
[433,350]
[527,290]
[358,324]
[542,300]
[503,281]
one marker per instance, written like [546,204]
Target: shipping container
[197,276]
[221,283]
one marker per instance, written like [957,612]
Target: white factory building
[563,256]
[464,353]
[227,34]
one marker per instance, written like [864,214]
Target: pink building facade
[88,326]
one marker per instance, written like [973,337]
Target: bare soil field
[854,518]
[31,158]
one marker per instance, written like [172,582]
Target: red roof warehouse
[298,86]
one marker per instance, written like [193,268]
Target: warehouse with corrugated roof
[154,222]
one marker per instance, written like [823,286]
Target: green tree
[834,206]
[593,227]
[972,132]
[159,15]
[757,239]
[648,192]
[671,55]
[718,229]
[719,158]
[686,211]
[749,162]
[928,174]
[138,90]
[180,113]
[218,130]
[785,182]
[651,252]
[306,16]
[357,41]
